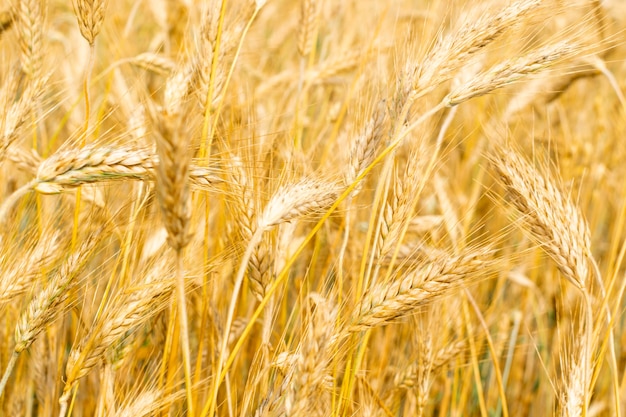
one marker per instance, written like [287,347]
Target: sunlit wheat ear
[90,15]
[123,315]
[49,302]
[402,200]
[30,16]
[551,217]
[576,365]
[17,273]
[90,164]
[363,148]
[307,393]
[244,209]
[147,403]
[154,62]
[14,111]
[97,163]
[172,181]
[390,301]
[297,200]
[510,71]
[452,51]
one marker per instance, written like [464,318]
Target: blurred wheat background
[312,208]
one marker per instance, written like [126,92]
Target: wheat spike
[297,200]
[386,302]
[48,303]
[90,15]
[553,220]
[309,20]
[510,71]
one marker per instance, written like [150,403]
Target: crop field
[312,208]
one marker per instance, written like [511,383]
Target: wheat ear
[48,303]
[30,16]
[309,380]
[172,183]
[125,313]
[90,15]
[307,29]
[510,71]
[17,278]
[386,302]
[552,219]
[453,51]
[557,224]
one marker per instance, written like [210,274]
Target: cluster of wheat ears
[312,208]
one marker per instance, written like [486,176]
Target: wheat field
[312,208]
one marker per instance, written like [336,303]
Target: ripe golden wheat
[312,208]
